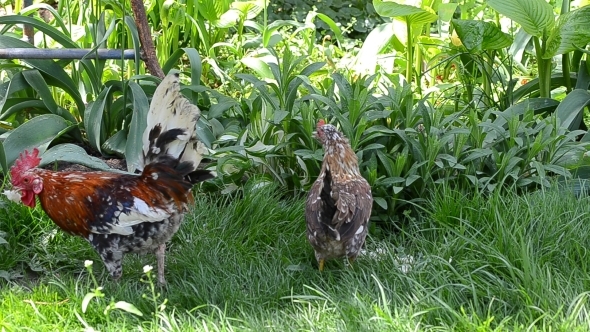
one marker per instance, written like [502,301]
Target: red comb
[24,163]
[321,122]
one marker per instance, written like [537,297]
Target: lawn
[502,262]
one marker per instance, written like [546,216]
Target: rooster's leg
[321,261]
[160,257]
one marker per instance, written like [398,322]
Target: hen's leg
[351,260]
[321,262]
[160,257]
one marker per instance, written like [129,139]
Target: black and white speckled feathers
[117,213]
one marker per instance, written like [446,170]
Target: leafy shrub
[406,147]
[356,18]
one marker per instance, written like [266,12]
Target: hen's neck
[341,161]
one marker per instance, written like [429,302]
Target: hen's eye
[26,180]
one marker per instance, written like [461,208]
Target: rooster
[121,213]
[339,203]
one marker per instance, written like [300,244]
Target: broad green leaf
[311,69]
[172,12]
[130,23]
[446,11]
[46,29]
[3,159]
[249,9]
[204,133]
[537,105]
[280,115]
[105,36]
[58,75]
[480,35]
[9,20]
[226,46]
[531,89]
[258,65]
[218,109]
[571,109]
[533,15]
[411,179]
[35,133]
[410,14]
[270,31]
[93,119]
[520,44]
[33,9]
[377,40]
[373,146]
[37,82]
[134,146]
[130,308]
[476,154]
[381,202]
[335,28]
[86,300]
[228,19]
[33,106]
[212,9]
[572,31]
[74,154]
[195,61]
[115,145]
[4,88]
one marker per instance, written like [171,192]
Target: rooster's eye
[26,180]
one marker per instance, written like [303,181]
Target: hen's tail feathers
[170,135]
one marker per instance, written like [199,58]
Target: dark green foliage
[406,147]
[356,18]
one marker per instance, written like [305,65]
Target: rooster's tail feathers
[171,128]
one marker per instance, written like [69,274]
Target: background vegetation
[468,119]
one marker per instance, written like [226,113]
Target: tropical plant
[550,37]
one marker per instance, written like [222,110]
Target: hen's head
[338,153]
[328,134]
[28,183]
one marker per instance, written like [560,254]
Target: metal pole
[65,53]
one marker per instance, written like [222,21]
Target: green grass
[464,264]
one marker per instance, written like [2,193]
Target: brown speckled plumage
[339,203]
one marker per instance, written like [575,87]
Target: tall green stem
[544,74]
[409,53]
[487,76]
[565,58]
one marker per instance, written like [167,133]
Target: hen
[121,213]
[339,203]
